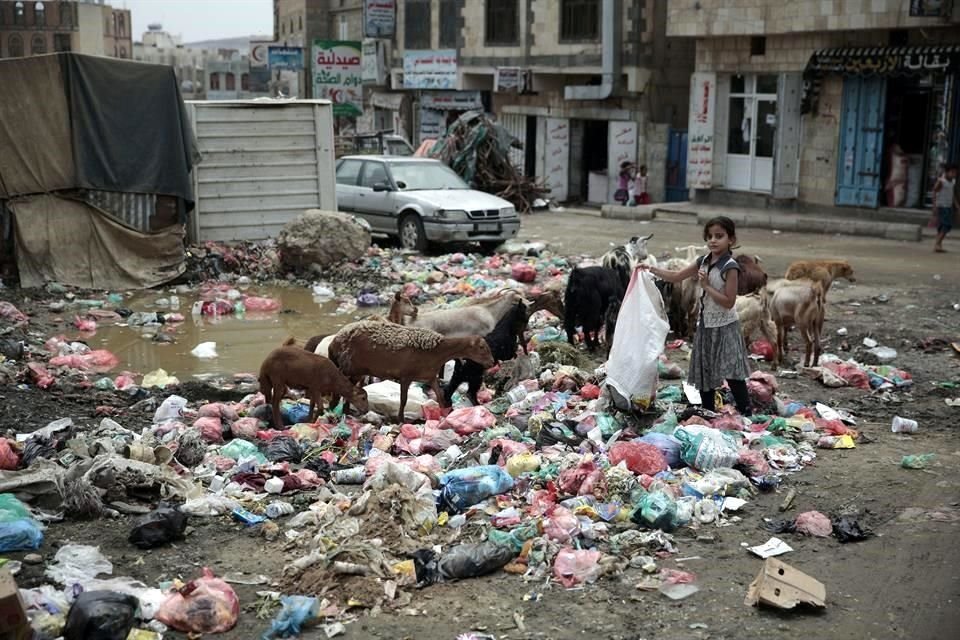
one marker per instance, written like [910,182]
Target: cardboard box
[14,624]
[780,585]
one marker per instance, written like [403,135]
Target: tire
[489,247]
[412,235]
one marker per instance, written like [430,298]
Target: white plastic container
[904,425]
[273,485]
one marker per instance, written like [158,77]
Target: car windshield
[417,176]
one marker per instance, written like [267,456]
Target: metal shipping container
[263,163]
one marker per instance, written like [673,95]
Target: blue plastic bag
[463,488]
[20,535]
[297,611]
[295,413]
[668,445]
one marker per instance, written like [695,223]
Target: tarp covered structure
[69,124]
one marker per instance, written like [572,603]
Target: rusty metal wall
[134,209]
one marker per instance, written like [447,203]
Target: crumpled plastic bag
[753,463]
[210,429]
[78,564]
[467,420]
[668,445]
[40,375]
[467,560]
[101,615]
[572,479]
[11,314]
[170,409]
[463,488]
[640,457]
[204,605]
[705,449]
[260,304]
[762,348]
[245,428]
[575,566]
[162,525]
[813,523]
[296,613]
[384,398]
[98,361]
[159,378]
[561,525]
[205,350]
[9,459]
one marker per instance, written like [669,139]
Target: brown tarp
[36,149]
[71,242]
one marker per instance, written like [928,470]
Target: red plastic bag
[575,566]
[205,605]
[467,420]
[589,392]
[814,523]
[571,480]
[851,374]
[39,374]
[9,459]
[410,439]
[523,272]
[595,484]
[255,303]
[436,439]
[210,429]
[753,463]
[124,381]
[762,348]
[245,428]
[641,457]
[727,423]
[11,314]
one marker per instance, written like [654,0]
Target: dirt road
[902,583]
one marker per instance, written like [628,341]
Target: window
[758,46]
[61,42]
[123,52]
[343,29]
[15,46]
[121,25]
[300,23]
[348,171]
[66,14]
[449,24]
[38,44]
[502,27]
[214,82]
[579,20]
[416,24]
[231,82]
[373,173]
[39,15]
[245,82]
[19,16]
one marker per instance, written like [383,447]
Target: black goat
[590,290]
[506,336]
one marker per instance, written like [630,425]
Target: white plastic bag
[78,564]
[170,409]
[205,350]
[642,328]
[384,398]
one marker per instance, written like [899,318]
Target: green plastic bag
[707,449]
[238,448]
[918,461]
[12,509]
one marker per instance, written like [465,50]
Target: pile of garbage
[478,149]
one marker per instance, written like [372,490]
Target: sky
[198,20]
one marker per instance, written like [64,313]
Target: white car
[422,201]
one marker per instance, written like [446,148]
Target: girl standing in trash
[719,352]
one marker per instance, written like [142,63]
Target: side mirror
[381,186]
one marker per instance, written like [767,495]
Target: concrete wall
[818,154]
[767,17]
[90,37]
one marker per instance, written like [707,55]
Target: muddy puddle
[242,341]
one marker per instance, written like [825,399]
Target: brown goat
[401,308]
[752,277]
[292,367]
[404,354]
[800,303]
[823,271]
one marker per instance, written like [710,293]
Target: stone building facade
[31,27]
[822,103]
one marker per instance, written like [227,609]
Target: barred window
[449,24]
[579,20]
[416,21]
[502,22]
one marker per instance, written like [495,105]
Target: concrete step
[677,214]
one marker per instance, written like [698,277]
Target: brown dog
[291,367]
[822,271]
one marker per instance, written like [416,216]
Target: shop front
[898,121]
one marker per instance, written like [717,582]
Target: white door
[761,176]
[751,132]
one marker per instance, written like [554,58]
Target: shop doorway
[588,160]
[752,130]
[911,151]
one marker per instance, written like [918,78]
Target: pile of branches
[479,151]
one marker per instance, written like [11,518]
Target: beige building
[821,103]
[159,47]
[34,27]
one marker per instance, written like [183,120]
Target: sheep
[291,367]
[401,308]
[754,317]
[590,290]
[404,354]
[823,271]
[479,317]
[800,303]
[503,345]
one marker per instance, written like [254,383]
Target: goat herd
[412,346]
[594,295]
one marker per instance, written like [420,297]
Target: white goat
[477,318]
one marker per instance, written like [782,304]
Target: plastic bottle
[277,509]
[904,425]
[355,475]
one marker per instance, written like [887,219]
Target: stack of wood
[479,151]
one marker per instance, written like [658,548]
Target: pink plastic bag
[571,480]
[594,484]
[641,457]
[467,420]
[753,463]
[9,459]
[436,439]
[39,374]
[762,348]
[205,605]
[410,439]
[814,523]
[523,272]
[124,381]
[561,525]
[255,303]
[11,314]
[210,429]
[245,428]
[99,361]
[85,325]
[589,392]
[576,566]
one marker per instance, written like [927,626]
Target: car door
[348,175]
[375,206]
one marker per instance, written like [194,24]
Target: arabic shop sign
[379,18]
[337,75]
[430,69]
[285,58]
[893,61]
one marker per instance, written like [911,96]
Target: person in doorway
[719,352]
[943,204]
[640,195]
[622,194]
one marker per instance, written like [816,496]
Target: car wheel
[489,248]
[412,235]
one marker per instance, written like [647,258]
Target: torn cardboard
[780,585]
[14,624]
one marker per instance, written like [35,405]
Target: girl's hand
[643,266]
[702,278]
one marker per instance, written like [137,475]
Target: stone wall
[767,17]
[818,154]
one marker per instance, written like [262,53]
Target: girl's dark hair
[724,223]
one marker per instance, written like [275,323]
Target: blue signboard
[285,58]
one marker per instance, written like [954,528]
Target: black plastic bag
[101,615]
[37,447]
[847,529]
[781,526]
[283,449]
[162,525]
[468,560]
